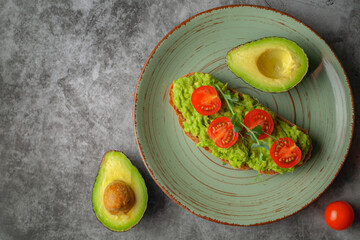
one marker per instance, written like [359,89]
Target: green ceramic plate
[321,103]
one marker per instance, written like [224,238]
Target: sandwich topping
[285,153]
[239,130]
[206,100]
[221,131]
[258,117]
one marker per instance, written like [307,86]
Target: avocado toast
[241,155]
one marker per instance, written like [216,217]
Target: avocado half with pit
[119,195]
[270,64]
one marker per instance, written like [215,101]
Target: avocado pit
[119,198]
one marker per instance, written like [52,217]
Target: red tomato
[259,117]
[206,100]
[339,215]
[285,153]
[221,131]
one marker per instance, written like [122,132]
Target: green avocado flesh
[116,166]
[270,64]
[241,152]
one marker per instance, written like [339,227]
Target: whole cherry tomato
[339,215]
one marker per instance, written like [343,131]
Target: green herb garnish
[259,178]
[237,124]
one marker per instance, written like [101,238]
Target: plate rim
[136,98]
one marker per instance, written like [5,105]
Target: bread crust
[195,139]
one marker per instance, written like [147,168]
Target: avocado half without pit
[119,194]
[270,64]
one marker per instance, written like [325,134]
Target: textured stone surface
[68,71]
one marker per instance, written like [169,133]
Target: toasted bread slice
[196,139]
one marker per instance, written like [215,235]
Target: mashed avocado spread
[241,152]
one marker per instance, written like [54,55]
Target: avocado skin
[249,80]
[101,213]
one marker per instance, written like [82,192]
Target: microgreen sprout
[237,124]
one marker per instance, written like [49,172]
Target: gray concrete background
[68,71]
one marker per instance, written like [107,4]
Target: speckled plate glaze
[193,178]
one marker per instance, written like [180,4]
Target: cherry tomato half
[206,100]
[285,153]
[259,117]
[339,215]
[221,131]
